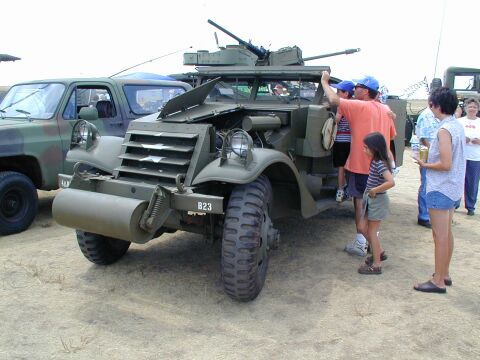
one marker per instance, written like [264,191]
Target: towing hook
[179,184]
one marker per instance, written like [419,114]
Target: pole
[439,39]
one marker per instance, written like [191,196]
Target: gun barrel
[226,31]
[344,52]
[260,52]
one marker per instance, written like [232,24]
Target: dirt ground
[165,300]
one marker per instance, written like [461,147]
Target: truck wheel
[247,236]
[18,202]
[99,249]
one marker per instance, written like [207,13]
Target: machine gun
[247,54]
[260,52]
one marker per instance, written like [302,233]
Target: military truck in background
[225,159]
[465,81]
[36,122]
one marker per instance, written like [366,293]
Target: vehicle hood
[201,112]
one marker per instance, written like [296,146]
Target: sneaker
[470,213]
[356,248]
[395,171]
[340,195]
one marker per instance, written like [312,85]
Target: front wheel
[18,202]
[248,234]
[99,249]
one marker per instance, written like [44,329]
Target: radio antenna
[439,39]
[165,55]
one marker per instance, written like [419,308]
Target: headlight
[83,134]
[241,143]
[238,142]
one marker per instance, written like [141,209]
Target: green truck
[465,81]
[36,121]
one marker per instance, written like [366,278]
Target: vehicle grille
[156,156]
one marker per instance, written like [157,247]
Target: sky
[398,39]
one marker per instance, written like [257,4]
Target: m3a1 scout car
[225,160]
[36,122]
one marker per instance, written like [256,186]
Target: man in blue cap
[365,115]
[341,146]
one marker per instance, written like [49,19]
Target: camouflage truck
[36,121]
[225,159]
[3,91]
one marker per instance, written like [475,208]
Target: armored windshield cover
[189,99]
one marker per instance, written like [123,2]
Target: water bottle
[415,146]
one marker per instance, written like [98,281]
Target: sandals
[369,260]
[429,287]
[369,270]
[448,281]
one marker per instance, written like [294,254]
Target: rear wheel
[18,202]
[248,234]
[99,249]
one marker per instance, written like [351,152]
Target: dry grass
[363,310]
[40,274]
[70,346]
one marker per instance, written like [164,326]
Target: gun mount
[247,54]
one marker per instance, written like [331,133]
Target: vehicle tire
[99,249]
[18,202]
[245,242]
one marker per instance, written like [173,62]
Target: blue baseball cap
[368,81]
[345,86]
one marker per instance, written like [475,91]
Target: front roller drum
[108,215]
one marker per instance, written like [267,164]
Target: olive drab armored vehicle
[225,159]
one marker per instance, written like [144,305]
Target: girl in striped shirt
[375,199]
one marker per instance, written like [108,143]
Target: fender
[103,155]
[233,171]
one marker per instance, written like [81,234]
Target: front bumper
[125,210]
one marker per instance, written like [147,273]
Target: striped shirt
[375,175]
[343,131]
